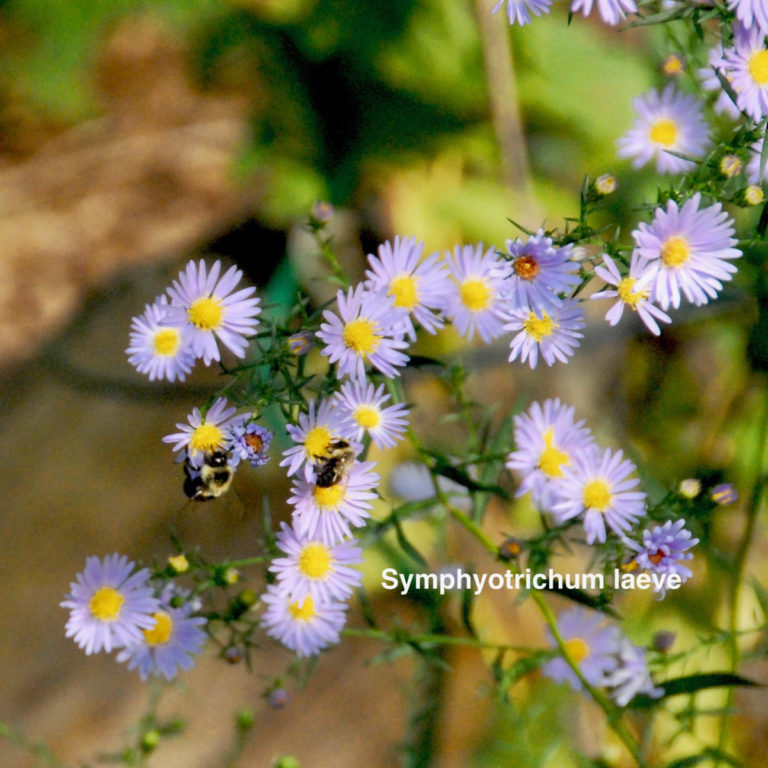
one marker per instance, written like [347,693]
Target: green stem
[740,565]
[41,752]
[612,713]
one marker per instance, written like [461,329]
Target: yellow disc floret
[597,495]
[304,611]
[475,294]
[539,327]
[206,438]
[405,289]
[628,296]
[664,131]
[105,604]
[552,459]
[367,416]
[577,649]
[166,342]
[675,251]
[315,561]
[329,498]
[206,313]
[758,67]
[317,442]
[161,632]
[362,336]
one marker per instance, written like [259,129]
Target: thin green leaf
[406,545]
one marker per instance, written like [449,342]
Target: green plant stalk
[612,713]
[742,553]
[41,752]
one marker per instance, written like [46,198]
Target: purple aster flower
[666,122]
[212,311]
[612,12]
[539,272]
[301,343]
[313,568]
[519,11]
[326,514]
[159,349]
[204,434]
[590,645]
[751,13]
[250,442]
[553,332]
[690,248]
[109,604]
[599,487]
[724,493]
[364,403]
[474,297]
[746,67]
[305,626]
[547,440]
[314,434]
[369,330]
[663,549]
[632,291]
[168,645]
[416,286]
[631,676]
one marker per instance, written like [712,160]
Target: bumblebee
[212,479]
[333,467]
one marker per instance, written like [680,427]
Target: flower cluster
[114,606]
[571,478]
[219,439]
[603,655]
[201,309]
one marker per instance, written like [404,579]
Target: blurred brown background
[99,209]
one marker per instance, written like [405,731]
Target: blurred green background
[134,135]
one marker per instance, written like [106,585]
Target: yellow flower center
[315,561]
[675,251]
[552,459]
[577,649]
[597,495]
[664,131]
[362,336]
[329,498]
[758,67]
[539,327]
[475,294]
[206,313]
[305,611]
[628,296]
[167,342]
[161,632]
[105,604]
[405,289]
[317,442]
[672,65]
[526,267]
[206,438]
[367,416]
